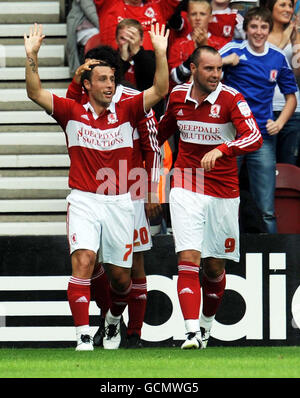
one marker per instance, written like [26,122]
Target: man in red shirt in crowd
[215,125]
[146,12]
[226,22]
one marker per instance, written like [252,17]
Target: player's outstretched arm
[34,88]
[159,37]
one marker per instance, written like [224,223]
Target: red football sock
[100,289]
[137,305]
[188,289]
[79,297]
[213,290]
[119,300]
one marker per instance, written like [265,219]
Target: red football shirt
[146,151]
[100,148]
[224,121]
[228,24]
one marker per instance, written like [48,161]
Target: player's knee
[192,256]
[83,262]
[213,267]
[120,279]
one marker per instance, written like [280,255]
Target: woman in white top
[285,35]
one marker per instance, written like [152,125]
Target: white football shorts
[142,240]
[205,223]
[101,222]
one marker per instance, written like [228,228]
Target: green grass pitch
[214,362]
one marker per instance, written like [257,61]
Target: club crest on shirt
[273,75]
[74,238]
[215,110]
[244,108]
[150,13]
[226,30]
[112,118]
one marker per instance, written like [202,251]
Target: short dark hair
[195,57]
[109,57]
[258,12]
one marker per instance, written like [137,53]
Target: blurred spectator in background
[254,67]
[149,12]
[199,13]
[82,24]
[225,23]
[138,64]
[286,36]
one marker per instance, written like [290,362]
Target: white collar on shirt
[189,36]
[118,93]
[212,97]
[266,49]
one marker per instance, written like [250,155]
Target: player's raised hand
[159,89]
[34,41]
[159,37]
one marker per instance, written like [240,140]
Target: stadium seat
[93,42]
[287,198]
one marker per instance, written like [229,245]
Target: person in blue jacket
[254,67]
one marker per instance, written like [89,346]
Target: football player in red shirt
[99,134]
[199,13]
[146,154]
[215,125]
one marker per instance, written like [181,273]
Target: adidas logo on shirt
[85,117]
[180,112]
[243,57]
[81,299]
